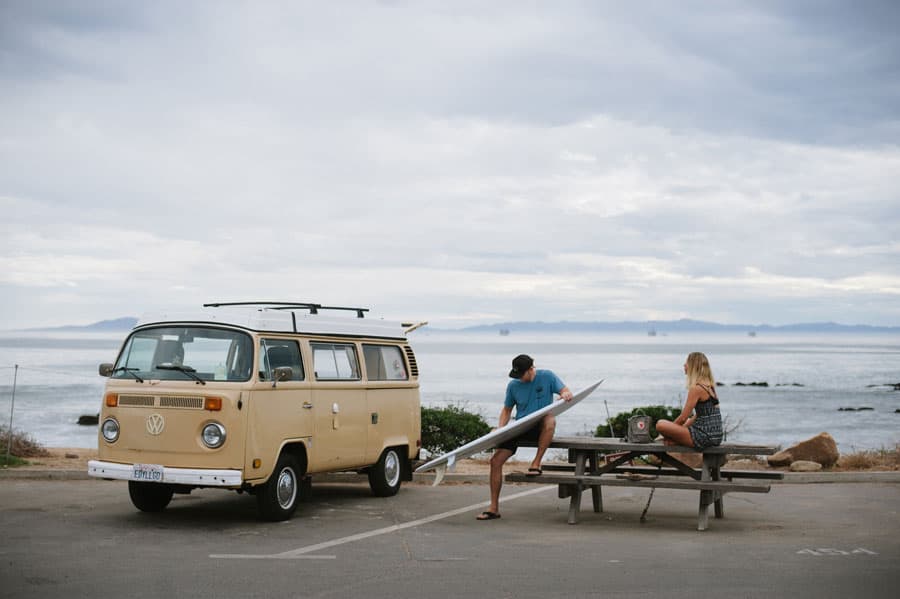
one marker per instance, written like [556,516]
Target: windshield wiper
[129,371]
[185,369]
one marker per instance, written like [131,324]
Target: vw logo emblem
[155,424]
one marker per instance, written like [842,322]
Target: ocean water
[810,377]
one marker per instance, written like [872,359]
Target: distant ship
[751,333]
[651,333]
[504,332]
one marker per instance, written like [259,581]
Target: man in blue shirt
[529,391]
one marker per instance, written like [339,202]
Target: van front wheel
[384,476]
[277,499]
[149,497]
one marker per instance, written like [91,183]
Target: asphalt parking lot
[83,538]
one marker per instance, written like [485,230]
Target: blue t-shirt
[531,397]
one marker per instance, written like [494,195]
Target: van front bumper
[200,477]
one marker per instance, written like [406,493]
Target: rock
[753,384]
[820,449]
[805,466]
[72,456]
[88,419]
[894,386]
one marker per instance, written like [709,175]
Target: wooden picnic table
[599,461]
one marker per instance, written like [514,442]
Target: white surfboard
[513,428]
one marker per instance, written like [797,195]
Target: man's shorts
[531,434]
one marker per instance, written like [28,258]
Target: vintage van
[257,397]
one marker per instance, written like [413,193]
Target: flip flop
[488,516]
[534,472]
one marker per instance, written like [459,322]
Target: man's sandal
[487,516]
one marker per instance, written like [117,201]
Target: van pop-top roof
[285,317]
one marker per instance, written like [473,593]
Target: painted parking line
[303,552]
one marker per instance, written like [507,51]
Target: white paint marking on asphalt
[302,551]
[274,556]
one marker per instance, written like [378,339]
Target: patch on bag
[639,429]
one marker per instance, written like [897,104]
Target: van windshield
[165,353]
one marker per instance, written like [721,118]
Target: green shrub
[445,429]
[13,461]
[620,421]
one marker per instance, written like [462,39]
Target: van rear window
[384,363]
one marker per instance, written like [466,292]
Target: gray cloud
[456,162]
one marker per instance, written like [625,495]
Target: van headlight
[213,435]
[110,430]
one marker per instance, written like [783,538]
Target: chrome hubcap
[286,490]
[391,468]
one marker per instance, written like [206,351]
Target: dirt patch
[62,458]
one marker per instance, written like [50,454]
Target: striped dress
[706,430]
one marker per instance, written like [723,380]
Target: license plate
[147,472]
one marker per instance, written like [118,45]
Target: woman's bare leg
[674,432]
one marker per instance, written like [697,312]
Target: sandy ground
[63,458]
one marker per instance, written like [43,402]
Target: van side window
[384,363]
[335,361]
[274,353]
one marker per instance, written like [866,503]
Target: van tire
[277,499]
[385,475]
[150,497]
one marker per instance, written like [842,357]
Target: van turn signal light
[112,400]
[213,404]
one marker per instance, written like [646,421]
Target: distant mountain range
[118,324]
[647,326]
[653,327]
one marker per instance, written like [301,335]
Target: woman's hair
[698,370]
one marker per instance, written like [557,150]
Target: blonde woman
[700,423]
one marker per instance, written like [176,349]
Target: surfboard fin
[439,475]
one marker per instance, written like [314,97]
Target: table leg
[575,499]
[575,504]
[706,497]
[712,466]
[596,493]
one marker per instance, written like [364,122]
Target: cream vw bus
[256,397]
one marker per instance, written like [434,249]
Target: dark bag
[639,429]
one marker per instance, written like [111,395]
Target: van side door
[279,411]
[339,399]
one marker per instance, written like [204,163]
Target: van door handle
[307,405]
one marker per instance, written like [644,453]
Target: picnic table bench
[601,461]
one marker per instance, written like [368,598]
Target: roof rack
[313,308]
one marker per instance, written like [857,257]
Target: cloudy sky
[457,162]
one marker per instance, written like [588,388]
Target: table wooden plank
[613,445]
[665,471]
[664,483]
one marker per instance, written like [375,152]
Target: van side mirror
[105,369]
[284,373]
